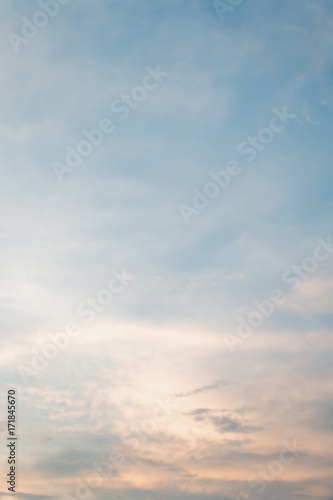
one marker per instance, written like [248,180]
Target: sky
[166,248]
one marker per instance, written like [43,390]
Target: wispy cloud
[206,388]
[118,210]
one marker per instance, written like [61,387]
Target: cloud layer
[149,387]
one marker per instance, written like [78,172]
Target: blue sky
[186,284]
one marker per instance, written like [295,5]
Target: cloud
[227,424]
[223,424]
[206,388]
[119,210]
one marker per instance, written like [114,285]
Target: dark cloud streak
[206,388]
